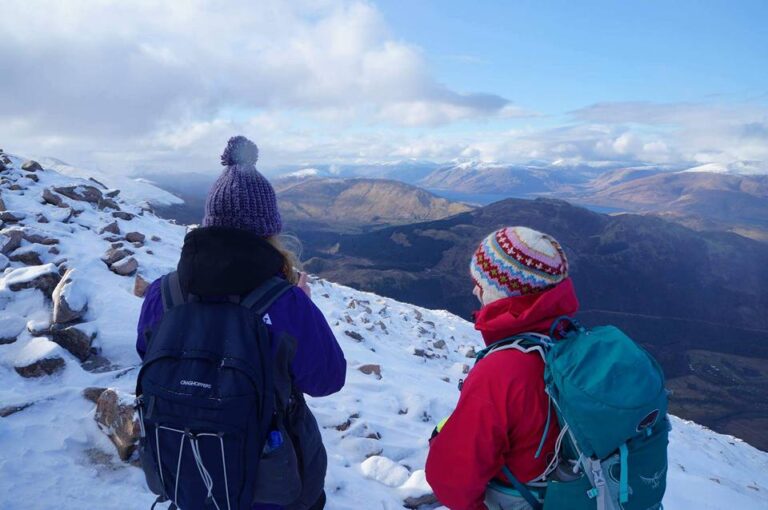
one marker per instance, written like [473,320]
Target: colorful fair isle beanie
[241,197]
[517,261]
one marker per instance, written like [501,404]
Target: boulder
[140,286]
[10,328]
[114,254]
[16,187]
[116,417]
[32,177]
[41,367]
[69,303]
[44,277]
[54,251]
[49,197]
[98,364]
[93,393]
[440,344]
[123,215]
[2,204]
[112,228]
[83,193]
[41,218]
[135,237]
[10,240]
[125,267]
[354,335]
[31,166]
[414,502]
[4,262]
[73,339]
[112,194]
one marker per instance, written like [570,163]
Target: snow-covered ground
[404,366]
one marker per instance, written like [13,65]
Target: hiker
[552,415]
[234,255]
[521,280]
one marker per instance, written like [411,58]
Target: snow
[133,190]
[376,430]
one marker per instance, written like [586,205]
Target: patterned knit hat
[516,261]
[241,197]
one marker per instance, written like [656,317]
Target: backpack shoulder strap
[261,298]
[170,288]
[524,342]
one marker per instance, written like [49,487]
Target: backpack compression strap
[261,298]
[170,288]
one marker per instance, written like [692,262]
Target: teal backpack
[609,397]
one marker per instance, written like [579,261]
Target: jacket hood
[219,261]
[529,313]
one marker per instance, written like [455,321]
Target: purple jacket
[319,367]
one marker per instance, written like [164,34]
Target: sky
[149,86]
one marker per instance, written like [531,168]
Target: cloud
[104,70]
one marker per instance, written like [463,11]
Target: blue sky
[139,86]
[558,56]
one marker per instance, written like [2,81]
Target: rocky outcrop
[42,367]
[74,339]
[117,418]
[44,277]
[31,166]
[69,305]
[83,193]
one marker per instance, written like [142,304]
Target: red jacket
[502,409]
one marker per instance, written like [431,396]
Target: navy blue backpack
[206,403]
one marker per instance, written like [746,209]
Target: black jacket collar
[218,261]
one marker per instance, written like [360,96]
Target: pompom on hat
[517,261]
[242,197]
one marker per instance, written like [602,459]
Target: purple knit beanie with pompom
[241,197]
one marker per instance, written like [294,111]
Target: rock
[82,193]
[125,267]
[470,353]
[44,277]
[26,256]
[108,203]
[140,286]
[112,228]
[112,194]
[10,240]
[2,205]
[49,197]
[135,237]
[150,252]
[9,410]
[32,177]
[371,369]
[41,367]
[69,305]
[123,215]
[113,239]
[117,419]
[31,166]
[12,216]
[92,179]
[16,187]
[73,339]
[440,344]
[424,354]
[39,328]
[93,393]
[417,501]
[54,251]
[3,168]
[4,262]
[137,245]
[354,335]
[114,254]
[41,218]
[38,237]
[98,364]
[156,238]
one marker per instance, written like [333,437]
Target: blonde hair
[289,247]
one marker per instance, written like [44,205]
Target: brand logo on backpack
[648,421]
[196,384]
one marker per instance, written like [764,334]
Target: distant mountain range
[688,296]
[309,201]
